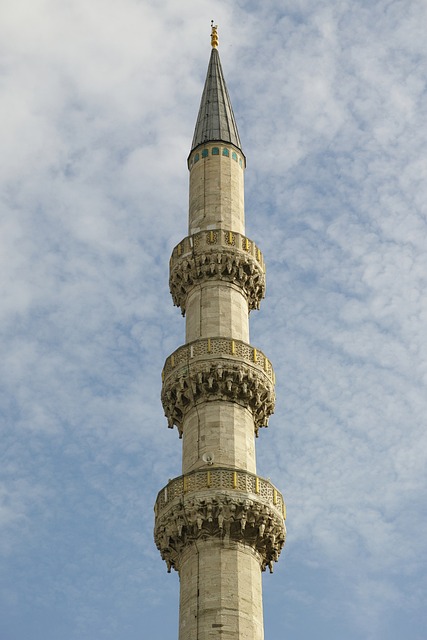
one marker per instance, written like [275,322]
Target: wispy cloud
[97,109]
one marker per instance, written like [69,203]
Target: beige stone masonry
[216,188]
[229,608]
[214,310]
[222,430]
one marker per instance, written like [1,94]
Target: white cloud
[98,102]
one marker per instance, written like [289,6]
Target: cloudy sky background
[98,102]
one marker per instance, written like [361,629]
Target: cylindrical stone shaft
[220,592]
[220,579]
[216,188]
[217,309]
[223,429]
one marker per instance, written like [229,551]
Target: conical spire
[216,118]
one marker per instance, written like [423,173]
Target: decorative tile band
[216,149]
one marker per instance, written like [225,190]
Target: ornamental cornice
[217,254]
[217,369]
[221,503]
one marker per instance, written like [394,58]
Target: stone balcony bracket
[232,505]
[221,255]
[212,369]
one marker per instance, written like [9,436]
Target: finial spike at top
[214,35]
[215,121]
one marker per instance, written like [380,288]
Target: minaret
[218,524]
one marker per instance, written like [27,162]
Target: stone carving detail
[219,478]
[220,347]
[210,369]
[226,515]
[221,255]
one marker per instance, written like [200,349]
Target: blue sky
[98,105]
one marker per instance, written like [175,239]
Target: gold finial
[214,35]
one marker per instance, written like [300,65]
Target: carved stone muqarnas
[225,515]
[218,380]
[217,255]
[218,369]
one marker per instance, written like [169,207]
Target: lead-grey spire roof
[215,121]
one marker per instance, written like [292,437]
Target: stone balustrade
[220,478]
[206,348]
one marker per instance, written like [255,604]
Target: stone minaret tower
[218,524]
